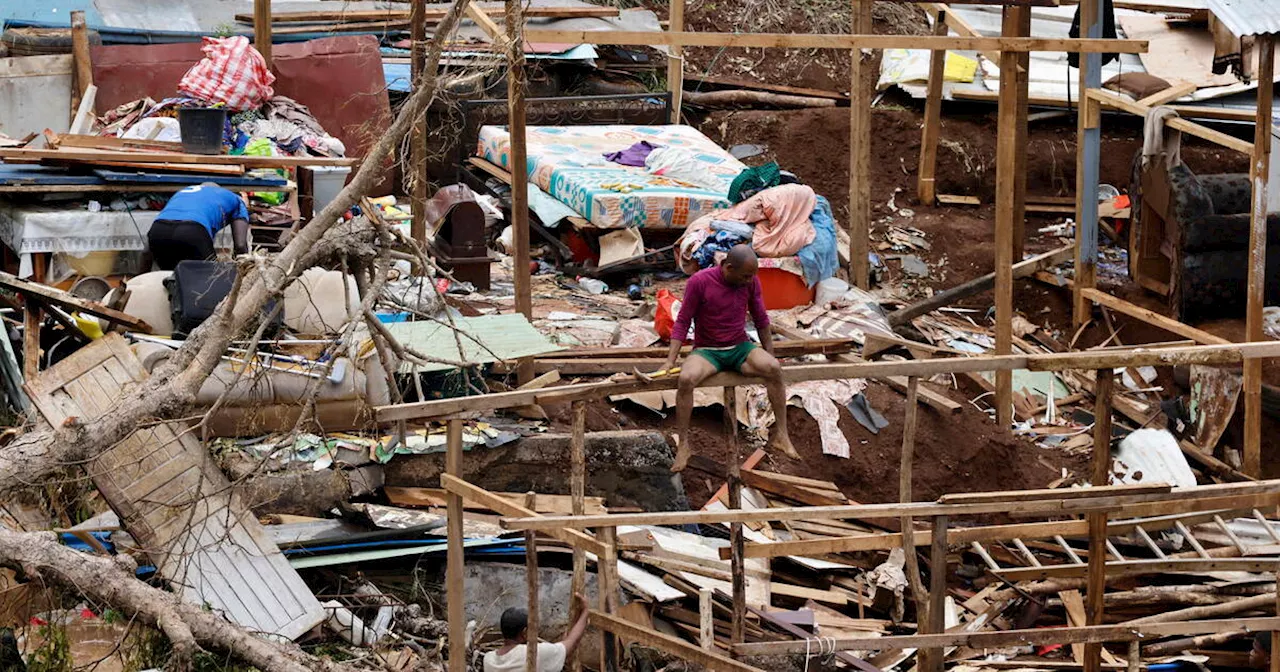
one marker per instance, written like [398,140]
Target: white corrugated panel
[1248,17]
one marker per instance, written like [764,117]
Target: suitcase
[195,290]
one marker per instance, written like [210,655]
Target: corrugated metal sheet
[1248,17]
[485,339]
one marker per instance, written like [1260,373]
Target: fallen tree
[45,453]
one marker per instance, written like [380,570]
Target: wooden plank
[1101,476]
[843,42]
[1007,150]
[811,483]
[438,497]
[83,76]
[1031,637]
[912,562]
[577,490]
[1168,95]
[723,492]
[926,186]
[1189,127]
[531,587]
[454,569]
[1017,22]
[706,621]
[937,593]
[574,538]
[756,85]
[1053,493]
[859,153]
[935,400]
[794,631]
[262,29]
[519,178]
[1122,568]
[66,300]
[1182,499]
[737,569]
[785,348]
[765,482]
[667,643]
[1255,288]
[1153,318]
[675,60]
[487,24]
[20,155]
[430,14]
[109,142]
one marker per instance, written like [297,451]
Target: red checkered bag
[231,72]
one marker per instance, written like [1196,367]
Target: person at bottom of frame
[510,657]
[717,301]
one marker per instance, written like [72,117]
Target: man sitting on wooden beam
[716,302]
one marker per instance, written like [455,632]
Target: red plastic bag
[232,72]
[664,318]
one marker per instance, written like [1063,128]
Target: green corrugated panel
[485,339]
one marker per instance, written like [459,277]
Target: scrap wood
[437,497]
[20,155]
[57,141]
[68,301]
[765,481]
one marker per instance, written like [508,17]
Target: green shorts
[730,359]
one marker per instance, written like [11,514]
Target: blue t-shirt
[210,206]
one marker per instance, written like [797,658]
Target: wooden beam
[675,60]
[519,174]
[667,643]
[1180,499]
[1054,493]
[607,573]
[937,594]
[1101,476]
[1007,150]
[926,185]
[1218,355]
[62,299]
[83,71]
[418,135]
[577,491]
[737,569]
[1256,286]
[487,24]
[947,297]
[1151,317]
[24,155]
[1169,95]
[454,568]
[1030,637]
[262,29]
[905,469]
[844,42]
[794,347]
[1017,23]
[859,153]
[574,538]
[1119,568]
[1189,127]
[1088,162]
[531,586]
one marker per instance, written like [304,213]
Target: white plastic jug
[830,290]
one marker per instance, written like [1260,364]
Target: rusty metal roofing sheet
[1248,17]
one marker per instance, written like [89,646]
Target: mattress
[568,163]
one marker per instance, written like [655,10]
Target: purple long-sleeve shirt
[718,310]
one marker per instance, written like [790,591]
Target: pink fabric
[232,72]
[718,311]
[781,215]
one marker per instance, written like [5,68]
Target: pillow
[1136,84]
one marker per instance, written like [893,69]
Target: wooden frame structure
[1097,504]
[1084,290]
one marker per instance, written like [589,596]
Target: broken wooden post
[607,583]
[418,136]
[675,61]
[83,71]
[262,29]
[736,539]
[904,496]
[577,491]
[859,153]
[926,186]
[454,565]
[519,172]
[1101,475]
[1088,165]
[1007,151]
[706,620]
[1256,286]
[937,615]
[531,585]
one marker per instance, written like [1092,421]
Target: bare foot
[682,455]
[783,442]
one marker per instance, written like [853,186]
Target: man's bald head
[740,265]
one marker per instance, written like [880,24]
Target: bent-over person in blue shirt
[184,230]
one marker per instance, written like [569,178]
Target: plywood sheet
[175,502]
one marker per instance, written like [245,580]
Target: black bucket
[201,129]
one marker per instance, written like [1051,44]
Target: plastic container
[829,290]
[593,285]
[201,129]
[783,289]
[326,182]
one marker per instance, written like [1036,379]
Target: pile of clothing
[776,215]
[679,164]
